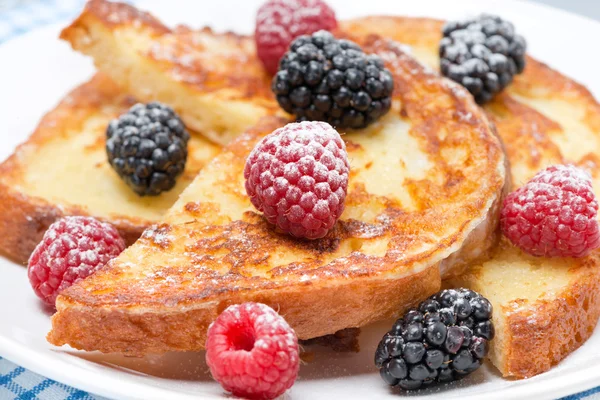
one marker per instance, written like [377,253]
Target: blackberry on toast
[63,169]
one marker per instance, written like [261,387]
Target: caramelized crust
[214,81]
[543,118]
[138,332]
[116,14]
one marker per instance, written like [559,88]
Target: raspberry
[72,249]
[298,177]
[554,214]
[278,22]
[252,351]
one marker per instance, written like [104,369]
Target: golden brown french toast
[426,182]
[205,77]
[62,169]
[194,65]
[543,308]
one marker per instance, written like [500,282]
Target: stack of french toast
[422,211]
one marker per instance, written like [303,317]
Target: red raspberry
[554,214]
[298,177]
[278,22]
[72,248]
[252,351]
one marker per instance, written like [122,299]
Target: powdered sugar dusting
[298,177]
[158,235]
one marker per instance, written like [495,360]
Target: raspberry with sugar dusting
[554,214]
[72,249]
[298,177]
[252,351]
[278,22]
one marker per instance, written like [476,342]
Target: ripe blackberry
[147,147]
[482,54]
[326,79]
[442,340]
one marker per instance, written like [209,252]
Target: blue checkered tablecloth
[17,383]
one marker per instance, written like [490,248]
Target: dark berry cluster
[147,147]
[482,54]
[443,340]
[326,79]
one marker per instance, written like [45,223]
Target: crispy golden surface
[424,191]
[62,169]
[544,309]
[214,81]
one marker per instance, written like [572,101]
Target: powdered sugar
[298,177]
[566,173]
[158,234]
[554,214]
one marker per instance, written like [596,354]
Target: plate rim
[86,380]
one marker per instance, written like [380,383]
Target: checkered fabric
[20,16]
[17,383]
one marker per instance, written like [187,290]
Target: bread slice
[543,308]
[62,169]
[187,66]
[423,195]
[205,77]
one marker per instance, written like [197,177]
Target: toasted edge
[139,333]
[25,219]
[542,334]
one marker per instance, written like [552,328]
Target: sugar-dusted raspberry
[298,177]
[278,22]
[252,351]
[72,249]
[554,214]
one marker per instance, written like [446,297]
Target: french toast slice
[426,181]
[543,308]
[210,78]
[62,169]
[205,77]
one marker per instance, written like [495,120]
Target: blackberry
[444,339]
[322,78]
[147,147]
[482,54]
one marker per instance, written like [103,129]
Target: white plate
[36,70]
